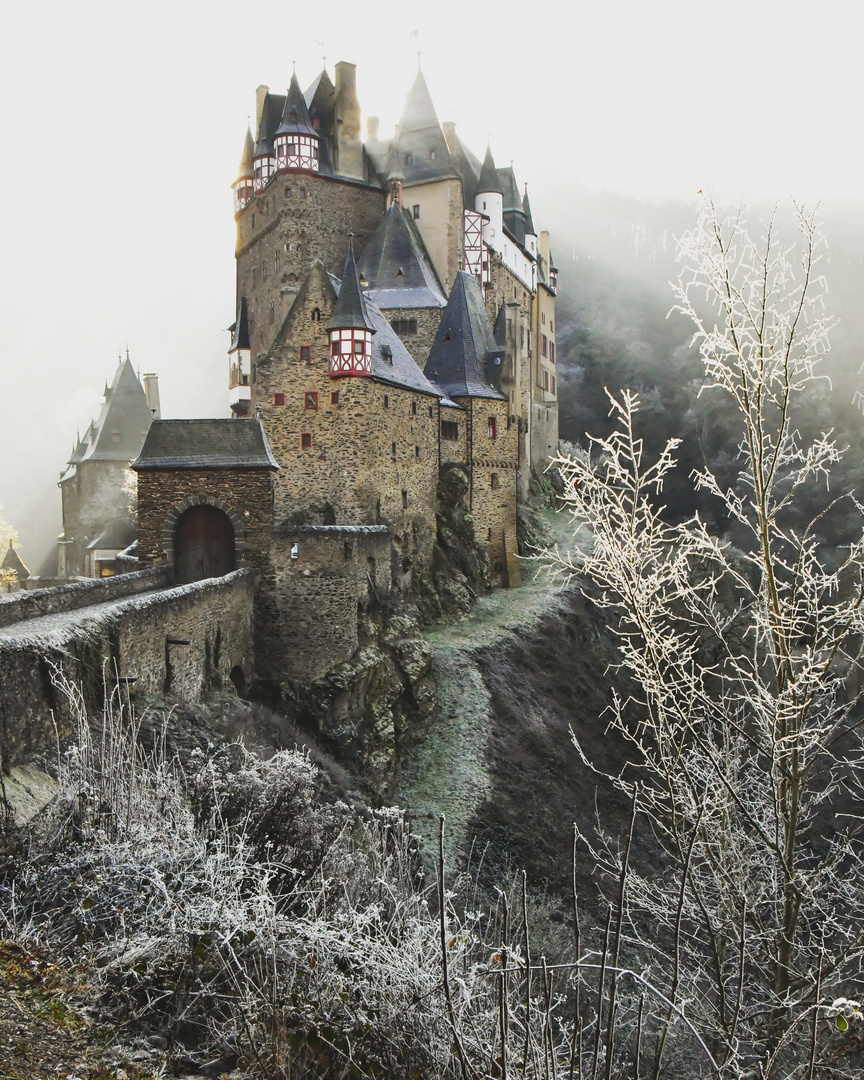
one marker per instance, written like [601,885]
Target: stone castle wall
[130,638]
[428,320]
[297,218]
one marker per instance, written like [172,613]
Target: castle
[395,319]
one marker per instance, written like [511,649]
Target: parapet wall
[178,642]
[34,603]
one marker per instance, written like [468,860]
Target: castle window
[553,384]
[316,314]
[493,481]
[409,159]
[306,440]
[310,400]
[545,380]
[287,196]
[404,499]
[415,209]
[544,346]
[387,354]
[387,404]
[417,452]
[552,351]
[431,155]
[292,149]
[334,398]
[278,399]
[450,430]
[404,327]
[489,534]
[393,450]
[431,412]
[359,346]
[305,352]
[413,408]
[271,314]
[543,317]
[493,427]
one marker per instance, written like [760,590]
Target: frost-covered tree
[745,668]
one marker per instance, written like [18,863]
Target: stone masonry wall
[129,638]
[77,594]
[307,602]
[245,492]
[372,453]
[297,218]
[428,321]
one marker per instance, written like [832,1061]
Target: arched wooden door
[203,544]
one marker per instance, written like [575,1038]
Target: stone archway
[204,544]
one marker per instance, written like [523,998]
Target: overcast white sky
[123,124]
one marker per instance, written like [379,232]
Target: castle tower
[489,201]
[243,186]
[350,328]
[240,363]
[295,142]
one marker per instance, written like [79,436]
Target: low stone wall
[178,642]
[35,603]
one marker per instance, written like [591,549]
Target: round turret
[296,140]
[489,201]
[264,161]
[350,327]
[244,187]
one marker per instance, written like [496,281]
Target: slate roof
[526,210]
[489,179]
[12,561]
[244,169]
[350,312]
[271,117]
[419,140]
[240,329]
[466,163]
[396,266]
[514,215]
[122,424]
[464,346]
[205,444]
[295,118]
[117,536]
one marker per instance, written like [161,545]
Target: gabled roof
[350,312]
[119,432]
[419,141]
[240,329]
[12,561]
[391,361]
[489,179]
[245,170]
[205,444]
[464,345]
[396,267]
[295,116]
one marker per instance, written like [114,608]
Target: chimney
[260,94]
[372,129]
[151,392]
[349,148]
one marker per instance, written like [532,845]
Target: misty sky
[123,125]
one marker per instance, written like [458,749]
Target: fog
[123,126]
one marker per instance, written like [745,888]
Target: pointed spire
[264,145]
[529,221]
[489,179]
[419,112]
[240,329]
[295,115]
[245,170]
[350,313]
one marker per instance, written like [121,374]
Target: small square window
[305,352]
[278,399]
[306,440]
[334,398]
[311,400]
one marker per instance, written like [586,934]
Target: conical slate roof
[526,210]
[12,561]
[464,345]
[489,178]
[419,141]
[514,215]
[245,170]
[240,329]
[465,162]
[270,119]
[321,101]
[350,312]
[295,116]
[118,434]
[396,267]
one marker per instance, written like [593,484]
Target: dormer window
[316,314]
